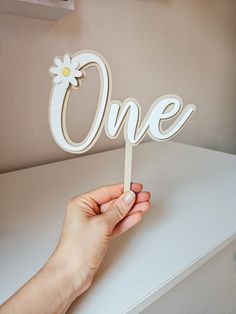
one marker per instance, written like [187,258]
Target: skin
[92,220]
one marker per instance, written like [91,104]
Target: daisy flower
[66,71]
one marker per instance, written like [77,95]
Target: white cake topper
[111,114]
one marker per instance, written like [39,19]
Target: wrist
[60,283]
[71,277]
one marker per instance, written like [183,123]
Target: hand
[91,221]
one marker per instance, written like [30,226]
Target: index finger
[108,193]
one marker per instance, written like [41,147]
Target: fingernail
[129,197]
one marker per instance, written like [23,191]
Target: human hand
[91,221]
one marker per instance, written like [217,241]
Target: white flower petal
[73,81]
[75,64]
[65,84]
[57,79]
[54,70]
[67,60]
[58,62]
[76,73]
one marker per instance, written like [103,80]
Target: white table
[193,217]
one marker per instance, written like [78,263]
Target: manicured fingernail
[129,197]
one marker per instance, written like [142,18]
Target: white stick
[128,166]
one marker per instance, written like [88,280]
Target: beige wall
[154,47]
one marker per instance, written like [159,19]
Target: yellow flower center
[66,72]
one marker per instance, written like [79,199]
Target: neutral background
[154,47]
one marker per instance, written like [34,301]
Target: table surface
[193,217]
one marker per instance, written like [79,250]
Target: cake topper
[69,73]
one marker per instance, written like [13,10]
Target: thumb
[119,209]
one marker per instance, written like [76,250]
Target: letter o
[59,99]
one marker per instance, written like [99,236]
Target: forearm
[51,290]
[91,221]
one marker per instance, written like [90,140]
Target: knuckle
[117,210]
[71,203]
[71,207]
[76,201]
